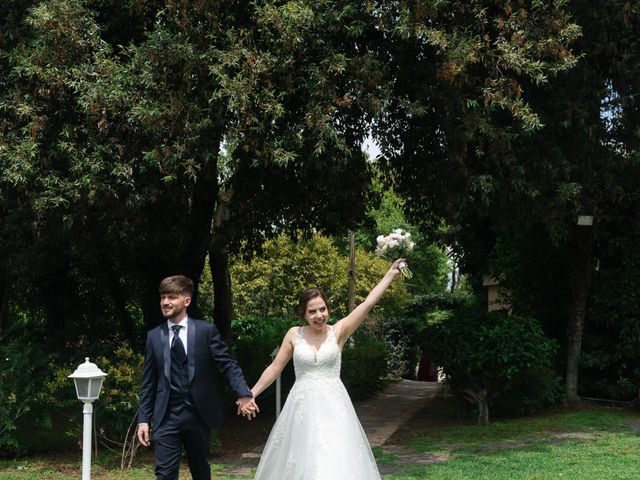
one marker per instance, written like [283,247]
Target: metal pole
[278,396]
[352,272]
[278,383]
[86,441]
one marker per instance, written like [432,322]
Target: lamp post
[278,385]
[88,380]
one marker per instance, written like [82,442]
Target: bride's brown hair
[307,295]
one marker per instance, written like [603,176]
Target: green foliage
[116,409]
[112,122]
[512,194]
[612,314]
[270,283]
[422,305]
[118,404]
[428,261]
[488,355]
[364,365]
[23,373]
[402,341]
[255,340]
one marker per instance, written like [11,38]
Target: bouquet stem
[404,269]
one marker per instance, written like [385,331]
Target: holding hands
[247,407]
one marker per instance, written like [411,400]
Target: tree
[582,163]
[271,283]
[483,354]
[113,125]
[505,168]
[122,130]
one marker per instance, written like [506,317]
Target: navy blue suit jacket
[206,353]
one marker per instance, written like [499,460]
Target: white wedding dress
[317,435]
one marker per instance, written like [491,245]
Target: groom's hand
[143,434]
[247,407]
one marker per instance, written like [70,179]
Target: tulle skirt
[317,437]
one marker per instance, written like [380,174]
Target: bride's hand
[247,407]
[395,266]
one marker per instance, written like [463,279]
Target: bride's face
[316,313]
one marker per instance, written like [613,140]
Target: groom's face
[174,305]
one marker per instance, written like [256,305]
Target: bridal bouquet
[396,245]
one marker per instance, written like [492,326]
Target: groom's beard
[173,313]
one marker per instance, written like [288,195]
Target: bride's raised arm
[350,323]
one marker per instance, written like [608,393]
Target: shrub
[255,340]
[269,284]
[401,339]
[116,408]
[430,302]
[24,367]
[364,364]
[491,355]
[118,404]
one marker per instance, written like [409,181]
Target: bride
[318,435]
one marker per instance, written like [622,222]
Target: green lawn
[583,444]
[593,444]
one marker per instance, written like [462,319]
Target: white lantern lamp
[88,379]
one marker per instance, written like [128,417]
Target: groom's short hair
[176,284]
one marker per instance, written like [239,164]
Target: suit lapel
[164,345]
[191,346]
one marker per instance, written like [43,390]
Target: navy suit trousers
[185,428]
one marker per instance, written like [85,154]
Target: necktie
[177,348]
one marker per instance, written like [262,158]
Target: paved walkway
[388,410]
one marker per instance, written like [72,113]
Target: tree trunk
[481,398]
[454,279]
[483,414]
[203,206]
[54,292]
[154,273]
[352,271]
[580,273]
[4,305]
[219,265]
[127,324]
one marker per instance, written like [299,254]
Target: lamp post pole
[86,440]
[88,381]
[278,385]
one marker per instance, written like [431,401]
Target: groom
[178,390]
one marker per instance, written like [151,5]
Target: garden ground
[587,443]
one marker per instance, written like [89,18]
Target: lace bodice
[322,363]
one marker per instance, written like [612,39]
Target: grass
[585,443]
